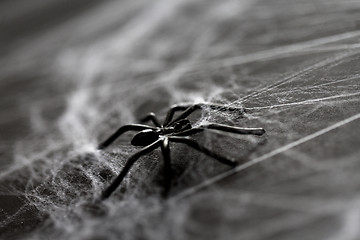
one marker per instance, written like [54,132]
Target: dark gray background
[71,73]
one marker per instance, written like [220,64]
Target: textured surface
[70,75]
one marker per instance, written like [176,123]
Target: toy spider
[175,130]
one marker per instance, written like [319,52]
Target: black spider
[172,130]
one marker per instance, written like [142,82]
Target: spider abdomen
[145,138]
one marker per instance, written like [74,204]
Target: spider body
[149,136]
[145,137]
[176,130]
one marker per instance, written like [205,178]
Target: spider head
[182,125]
[145,138]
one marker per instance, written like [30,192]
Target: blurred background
[72,73]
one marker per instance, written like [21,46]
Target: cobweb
[292,64]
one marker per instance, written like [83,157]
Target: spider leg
[190,132]
[121,130]
[151,117]
[108,191]
[165,149]
[223,128]
[232,129]
[192,108]
[192,143]
[172,111]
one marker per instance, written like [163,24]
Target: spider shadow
[191,167]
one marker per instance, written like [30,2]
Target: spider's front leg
[120,131]
[151,117]
[189,109]
[172,111]
[222,128]
[130,162]
[165,149]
